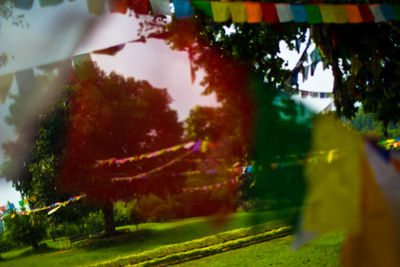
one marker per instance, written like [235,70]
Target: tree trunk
[109,226]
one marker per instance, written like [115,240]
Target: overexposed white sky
[57,33]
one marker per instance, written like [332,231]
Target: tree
[111,116]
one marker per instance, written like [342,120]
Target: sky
[57,33]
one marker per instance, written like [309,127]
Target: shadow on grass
[112,241]
[42,249]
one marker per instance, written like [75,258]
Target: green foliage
[5,243]
[26,229]
[94,222]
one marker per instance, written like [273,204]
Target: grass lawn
[324,251]
[153,235]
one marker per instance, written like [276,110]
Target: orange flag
[254,13]
[353,14]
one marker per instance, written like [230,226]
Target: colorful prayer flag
[299,13]
[220,11]
[387,11]
[118,6]
[269,12]
[183,8]
[284,12]
[254,13]
[377,12]
[327,13]
[377,242]
[44,3]
[139,6]
[204,6]
[313,14]
[160,7]
[366,13]
[353,14]
[95,7]
[23,4]
[238,12]
[5,86]
[340,13]
[26,81]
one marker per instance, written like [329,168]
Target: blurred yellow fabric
[333,197]
[377,242]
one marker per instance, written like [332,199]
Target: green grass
[324,251]
[151,236]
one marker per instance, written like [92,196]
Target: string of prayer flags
[150,155]
[160,7]
[56,206]
[244,11]
[393,143]
[146,174]
[217,186]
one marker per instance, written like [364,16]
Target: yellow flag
[333,198]
[327,14]
[220,11]
[340,13]
[238,12]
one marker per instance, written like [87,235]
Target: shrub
[94,223]
[26,230]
